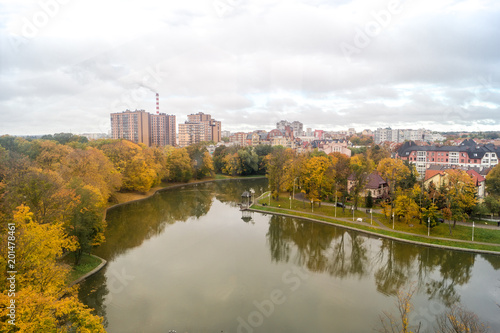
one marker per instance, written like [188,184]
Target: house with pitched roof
[378,187]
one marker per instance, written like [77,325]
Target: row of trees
[321,177]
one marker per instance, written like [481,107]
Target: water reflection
[345,254]
[340,254]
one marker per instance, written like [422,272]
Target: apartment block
[212,127]
[163,131]
[141,127]
[468,154]
[131,125]
[191,133]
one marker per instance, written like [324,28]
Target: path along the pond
[377,225]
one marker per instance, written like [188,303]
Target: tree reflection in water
[344,254]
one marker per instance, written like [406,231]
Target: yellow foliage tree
[43,302]
[92,167]
[318,177]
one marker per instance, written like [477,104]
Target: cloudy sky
[65,65]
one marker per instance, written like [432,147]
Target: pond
[185,260]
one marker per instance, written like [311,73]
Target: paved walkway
[493,226]
[379,225]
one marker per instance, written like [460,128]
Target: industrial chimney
[157,103]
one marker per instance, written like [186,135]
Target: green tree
[87,223]
[196,154]
[369,200]
[249,161]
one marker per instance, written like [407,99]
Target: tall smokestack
[157,103]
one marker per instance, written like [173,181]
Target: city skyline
[331,66]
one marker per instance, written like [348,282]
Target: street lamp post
[371,216]
[269,195]
[428,226]
[472,230]
[312,205]
[393,221]
[290,202]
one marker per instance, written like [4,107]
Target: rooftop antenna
[157,103]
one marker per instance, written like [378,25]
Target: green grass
[459,232]
[489,236]
[302,206]
[87,263]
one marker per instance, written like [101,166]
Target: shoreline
[381,235]
[177,185]
[146,196]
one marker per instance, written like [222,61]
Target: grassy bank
[87,264]
[460,238]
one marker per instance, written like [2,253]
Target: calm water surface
[185,260]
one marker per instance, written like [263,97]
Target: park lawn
[87,263]
[303,206]
[416,238]
[459,232]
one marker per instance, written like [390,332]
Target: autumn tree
[493,190]
[87,223]
[275,166]
[201,163]
[458,319]
[318,177]
[232,164]
[401,324]
[262,151]
[129,159]
[360,167]
[50,154]
[93,168]
[405,208]
[378,153]
[179,165]
[460,193]
[393,171]
[44,302]
[41,190]
[341,166]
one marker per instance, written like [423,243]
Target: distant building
[332,146]
[375,184]
[131,125]
[239,138]
[95,136]
[163,131]
[467,155]
[212,127]
[191,133]
[141,127]
[402,135]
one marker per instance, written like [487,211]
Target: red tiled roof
[431,173]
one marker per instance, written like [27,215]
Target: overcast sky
[65,65]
